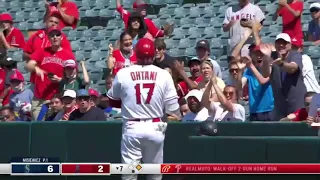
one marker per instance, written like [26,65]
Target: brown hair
[159,43]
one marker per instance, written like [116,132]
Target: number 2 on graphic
[149,86]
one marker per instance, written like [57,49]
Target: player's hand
[40,72]
[247,24]
[82,64]
[266,49]
[177,66]
[168,29]
[55,78]
[247,33]
[278,61]
[247,61]
[214,78]
[110,47]
[232,22]
[283,2]
[256,26]
[46,4]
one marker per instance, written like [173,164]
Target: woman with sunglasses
[227,108]
[207,72]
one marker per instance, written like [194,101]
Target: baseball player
[142,91]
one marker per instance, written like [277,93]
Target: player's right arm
[114,93]
[171,97]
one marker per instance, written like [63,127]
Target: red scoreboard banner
[240,168]
[85,169]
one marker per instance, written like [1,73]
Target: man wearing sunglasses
[9,35]
[86,111]
[48,64]
[314,28]
[40,40]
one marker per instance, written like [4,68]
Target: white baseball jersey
[143,90]
[250,12]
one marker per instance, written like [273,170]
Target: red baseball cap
[16,75]
[138,3]
[70,63]
[297,42]
[51,29]
[93,92]
[6,17]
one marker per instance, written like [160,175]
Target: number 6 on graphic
[149,86]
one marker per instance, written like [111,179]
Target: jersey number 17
[149,86]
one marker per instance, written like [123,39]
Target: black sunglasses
[55,33]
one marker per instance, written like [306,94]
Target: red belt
[153,120]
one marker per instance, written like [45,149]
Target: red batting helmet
[145,51]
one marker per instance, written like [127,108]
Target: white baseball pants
[141,142]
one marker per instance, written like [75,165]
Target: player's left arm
[114,93]
[171,97]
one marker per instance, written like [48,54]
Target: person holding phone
[48,64]
[238,18]
[285,73]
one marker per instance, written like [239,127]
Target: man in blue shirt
[261,101]
[314,24]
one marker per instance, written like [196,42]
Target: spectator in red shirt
[40,40]
[48,64]
[140,7]
[301,114]
[8,67]
[3,54]
[68,11]
[291,11]
[9,35]
[123,57]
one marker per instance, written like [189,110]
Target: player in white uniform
[143,91]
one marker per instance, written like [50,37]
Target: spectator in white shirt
[227,109]
[309,78]
[239,16]
[197,111]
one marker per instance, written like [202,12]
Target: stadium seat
[21,67]
[92,12]
[79,56]
[166,10]
[101,64]
[76,45]
[95,75]
[191,52]
[17,55]
[106,13]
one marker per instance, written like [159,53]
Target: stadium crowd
[276,80]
